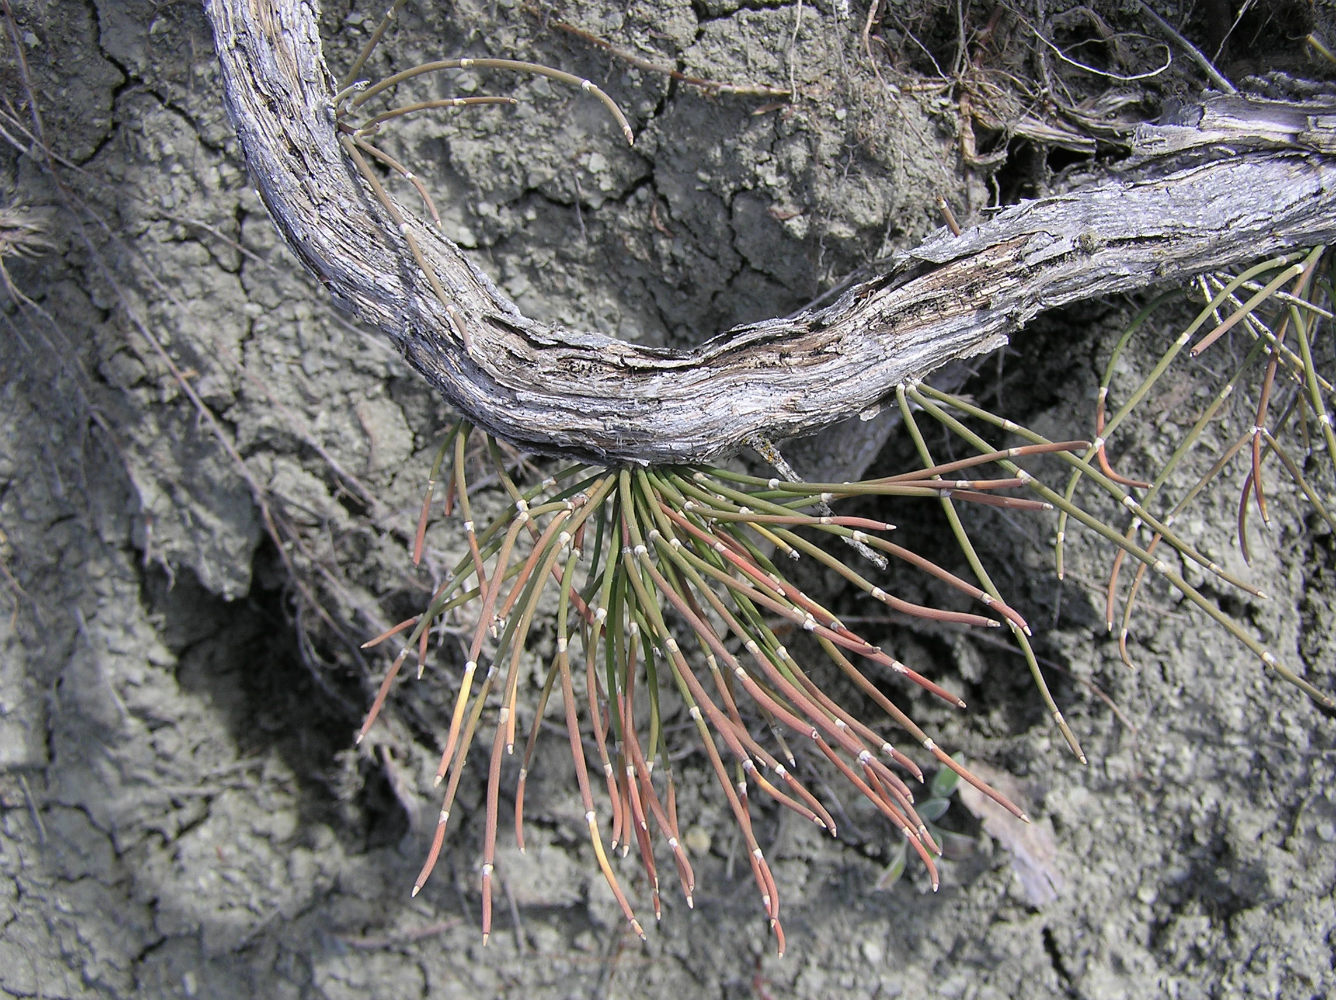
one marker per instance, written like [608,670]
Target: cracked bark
[1231,179]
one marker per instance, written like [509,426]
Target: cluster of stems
[1281,309]
[672,598]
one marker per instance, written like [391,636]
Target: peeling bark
[1232,179]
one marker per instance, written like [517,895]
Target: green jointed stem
[420,535]
[1246,310]
[1274,340]
[1175,579]
[1310,381]
[350,78]
[515,65]
[1181,341]
[1188,442]
[923,395]
[1297,475]
[985,581]
[408,175]
[1158,370]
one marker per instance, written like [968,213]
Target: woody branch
[1233,180]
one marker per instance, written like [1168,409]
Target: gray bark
[1233,179]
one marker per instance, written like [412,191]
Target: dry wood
[1233,179]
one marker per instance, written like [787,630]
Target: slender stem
[985,581]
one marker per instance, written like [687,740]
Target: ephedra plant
[663,573]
